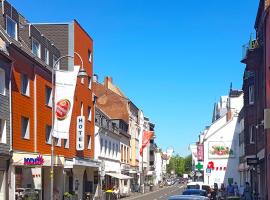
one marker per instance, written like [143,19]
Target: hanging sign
[80,133]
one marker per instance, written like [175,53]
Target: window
[35,47]
[110,147]
[113,149]
[89,142]
[54,61]
[48,134]
[2,82]
[11,27]
[81,108]
[116,149]
[105,147]
[89,55]
[3,132]
[66,143]
[24,85]
[25,128]
[101,145]
[89,113]
[89,82]
[48,96]
[57,142]
[251,94]
[46,56]
[252,134]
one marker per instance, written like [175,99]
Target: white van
[198,185]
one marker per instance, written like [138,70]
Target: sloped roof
[115,106]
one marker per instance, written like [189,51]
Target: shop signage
[252,161]
[199,166]
[62,109]
[200,152]
[34,161]
[80,133]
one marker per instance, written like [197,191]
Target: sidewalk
[146,191]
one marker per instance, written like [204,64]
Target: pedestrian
[236,190]
[222,191]
[230,190]
[247,192]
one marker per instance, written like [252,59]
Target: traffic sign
[207,171]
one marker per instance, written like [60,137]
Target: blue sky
[173,58]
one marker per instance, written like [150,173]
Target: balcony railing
[251,45]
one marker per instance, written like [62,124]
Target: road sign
[207,171]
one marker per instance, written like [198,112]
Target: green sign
[199,166]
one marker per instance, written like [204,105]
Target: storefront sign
[252,161]
[200,152]
[80,133]
[221,149]
[34,161]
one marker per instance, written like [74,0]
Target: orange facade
[34,106]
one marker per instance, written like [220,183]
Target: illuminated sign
[34,161]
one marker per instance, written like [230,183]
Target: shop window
[48,96]
[2,82]
[89,113]
[47,56]
[89,142]
[3,132]
[11,27]
[25,85]
[48,134]
[36,47]
[25,128]
[251,94]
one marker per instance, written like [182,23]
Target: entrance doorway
[2,184]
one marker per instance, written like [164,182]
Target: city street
[161,194]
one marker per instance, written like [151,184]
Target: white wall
[158,167]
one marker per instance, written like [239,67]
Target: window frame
[89,110]
[47,56]
[27,89]
[49,141]
[25,131]
[252,134]
[3,131]
[39,47]
[16,27]
[48,101]
[3,82]
[251,94]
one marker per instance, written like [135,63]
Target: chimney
[95,78]
[107,81]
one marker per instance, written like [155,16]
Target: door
[2,184]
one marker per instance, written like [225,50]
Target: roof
[235,93]
[115,106]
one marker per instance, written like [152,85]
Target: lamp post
[81,74]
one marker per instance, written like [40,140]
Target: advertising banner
[65,84]
[221,149]
[200,152]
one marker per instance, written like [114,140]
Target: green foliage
[180,165]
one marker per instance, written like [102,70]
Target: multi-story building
[33,54]
[5,115]
[255,99]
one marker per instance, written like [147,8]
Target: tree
[180,165]
[188,164]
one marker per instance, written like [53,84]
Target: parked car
[187,197]
[24,193]
[198,185]
[169,182]
[195,192]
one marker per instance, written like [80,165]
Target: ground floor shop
[4,163]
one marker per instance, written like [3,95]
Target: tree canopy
[180,165]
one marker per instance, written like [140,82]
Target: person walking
[247,192]
[230,190]
[236,190]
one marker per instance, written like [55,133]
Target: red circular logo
[62,109]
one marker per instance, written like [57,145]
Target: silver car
[187,197]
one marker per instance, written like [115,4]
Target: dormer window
[11,28]
[36,47]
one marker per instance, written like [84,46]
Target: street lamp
[81,74]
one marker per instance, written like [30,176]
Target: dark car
[196,192]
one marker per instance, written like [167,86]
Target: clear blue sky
[173,59]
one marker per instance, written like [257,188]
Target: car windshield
[193,186]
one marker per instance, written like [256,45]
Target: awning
[119,176]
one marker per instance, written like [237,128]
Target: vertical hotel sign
[65,84]
[199,152]
[80,133]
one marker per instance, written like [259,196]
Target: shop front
[30,176]
[4,162]
[81,177]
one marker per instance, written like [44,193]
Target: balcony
[248,48]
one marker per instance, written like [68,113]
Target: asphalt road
[161,194]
